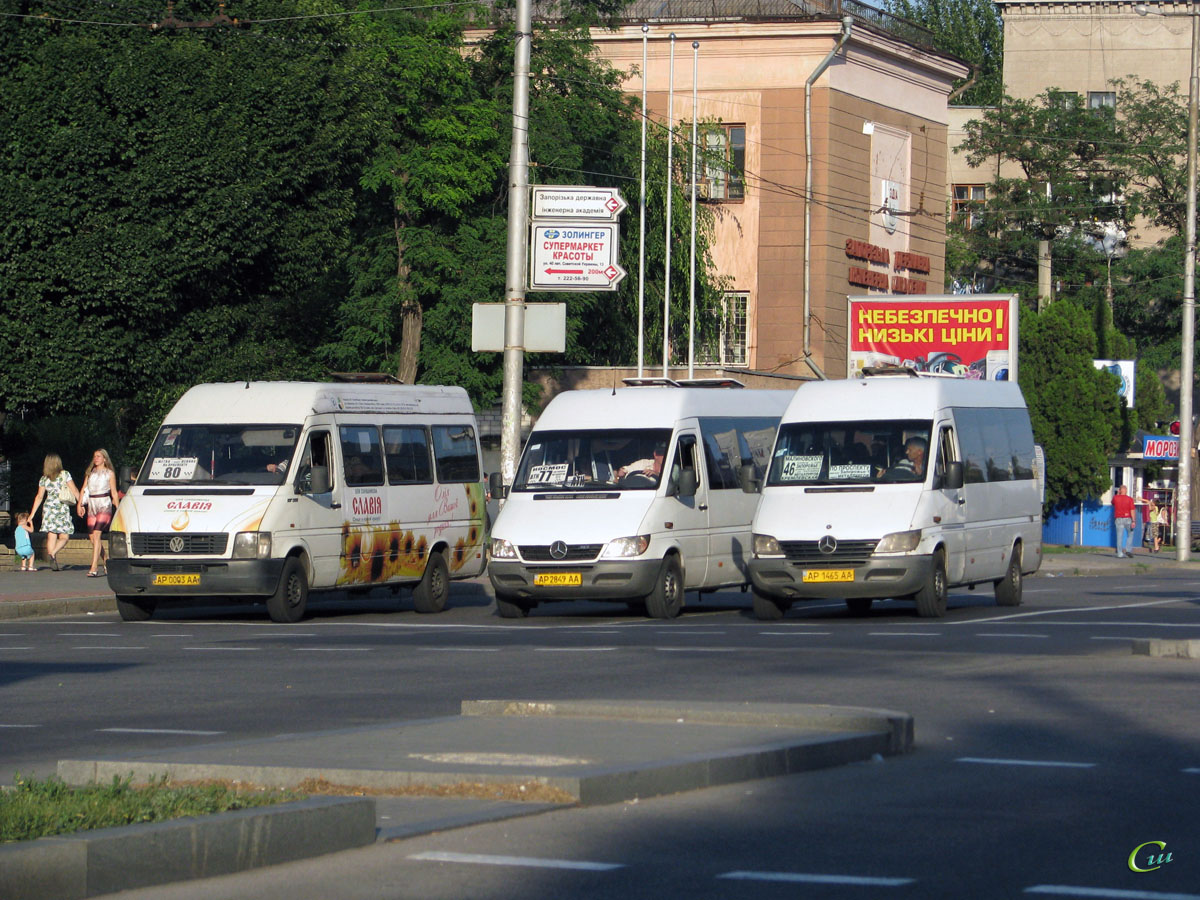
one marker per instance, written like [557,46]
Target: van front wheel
[931,598]
[135,609]
[767,608]
[666,600]
[1008,588]
[290,599]
[512,607]
[429,596]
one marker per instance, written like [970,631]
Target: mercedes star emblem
[558,550]
[827,544]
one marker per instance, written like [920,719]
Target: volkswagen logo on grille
[827,544]
[176,545]
[558,550]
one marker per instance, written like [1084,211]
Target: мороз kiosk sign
[968,335]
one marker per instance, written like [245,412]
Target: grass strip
[32,808]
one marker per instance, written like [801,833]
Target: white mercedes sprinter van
[898,486]
[633,494]
[265,490]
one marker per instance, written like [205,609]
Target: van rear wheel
[665,601]
[431,592]
[135,609]
[1008,588]
[767,608]
[290,600]
[931,598]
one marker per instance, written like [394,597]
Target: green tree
[972,31]
[1074,406]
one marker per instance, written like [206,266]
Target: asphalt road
[1045,751]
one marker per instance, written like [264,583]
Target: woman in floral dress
[56,513]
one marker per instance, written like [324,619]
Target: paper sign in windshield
[853,472]
[548,474]
[173,468]
[801,468]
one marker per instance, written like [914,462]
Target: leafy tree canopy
[970,30]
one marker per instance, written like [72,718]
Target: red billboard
[968,335]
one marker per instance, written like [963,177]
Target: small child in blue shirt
[24,546]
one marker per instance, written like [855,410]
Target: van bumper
[218,577]
[894,576]
[618,579]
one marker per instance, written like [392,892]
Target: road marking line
[700,649]
[7,649]
[1074,609]
[1025,762]
[158,731]
[1067,890]
[87,634]
[222,648]
[333,649]
[904,633]
[2,725]
[790,633]
[573,649]
[272,634]
[526,861]
[1191,771]
[1101,638]
[460,649]
[817,879]
[682,631]
[1008,634]
[109,647]
[170,636]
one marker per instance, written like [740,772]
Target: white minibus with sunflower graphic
[267,490]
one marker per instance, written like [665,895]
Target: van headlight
[766,546]
[899,542]
[502,549]
[252,545]
[623,548]
[118,545]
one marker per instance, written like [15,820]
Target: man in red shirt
[1123,517]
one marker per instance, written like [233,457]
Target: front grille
[848,553]
[155,544]
[575,552]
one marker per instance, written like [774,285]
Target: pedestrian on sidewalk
[1154,517]
[23,544]
[1122,505]
[56,495]
[98,503]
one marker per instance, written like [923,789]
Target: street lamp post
[1183,497]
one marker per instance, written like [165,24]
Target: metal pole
[518,249]
[642,219]
[667,276]
[1183,541]
[692,264]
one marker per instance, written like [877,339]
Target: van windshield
[220,454]
[613,459]
[832,453]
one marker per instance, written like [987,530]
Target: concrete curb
[89,863]
[62,606]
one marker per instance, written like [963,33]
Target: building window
[967,199]
[723,175]
[729,348]
[1064,99]
[1102,99]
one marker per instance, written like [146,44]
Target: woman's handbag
[66,493]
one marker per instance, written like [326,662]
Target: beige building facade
[878,137]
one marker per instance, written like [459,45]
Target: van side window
[970,424]
[362,456]
[945,454]
[316,453]
[685,459]
[1020,439]
[456,453]
[406,449]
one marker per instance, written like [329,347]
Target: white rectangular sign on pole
[574,257]
[588,204]
[545,327]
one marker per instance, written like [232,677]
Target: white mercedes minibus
[265,490]
[633,494]
[898,486]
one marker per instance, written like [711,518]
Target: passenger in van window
[912,467]
[651,468]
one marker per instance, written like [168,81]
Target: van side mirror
[318,480]
[952,480]
[748,479]
[687,483]
[496,486]
[125,478]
